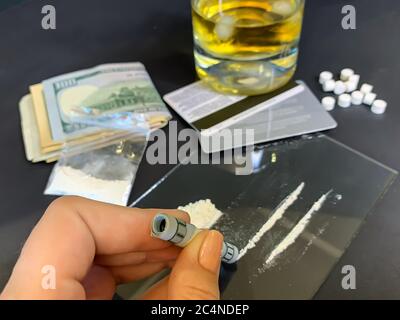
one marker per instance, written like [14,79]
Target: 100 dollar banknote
[77,101]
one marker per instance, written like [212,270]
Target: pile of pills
[346,88]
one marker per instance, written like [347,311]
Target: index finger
[114,229]
[73,230]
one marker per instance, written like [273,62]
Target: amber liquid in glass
[246,47]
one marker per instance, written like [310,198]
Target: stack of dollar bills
[51,113]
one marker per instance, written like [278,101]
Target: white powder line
[296,231]
[317,242]
[279,211]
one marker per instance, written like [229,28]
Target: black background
[158,33]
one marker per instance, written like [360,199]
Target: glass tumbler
[246,47]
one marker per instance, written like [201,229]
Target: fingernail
[210,253]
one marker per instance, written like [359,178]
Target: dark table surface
[158,33]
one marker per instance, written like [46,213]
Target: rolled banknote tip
[180,233]
[164,227]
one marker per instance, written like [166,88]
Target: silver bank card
[290,111]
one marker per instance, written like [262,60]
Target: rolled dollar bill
[180,233]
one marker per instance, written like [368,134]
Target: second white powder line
[296,231]
[274,218]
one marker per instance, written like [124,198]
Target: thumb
[196,271]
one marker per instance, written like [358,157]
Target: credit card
[289,111]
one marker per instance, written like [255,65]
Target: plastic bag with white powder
[104,171]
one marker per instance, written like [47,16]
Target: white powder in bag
[66,180]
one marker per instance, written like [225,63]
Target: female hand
[92,247]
